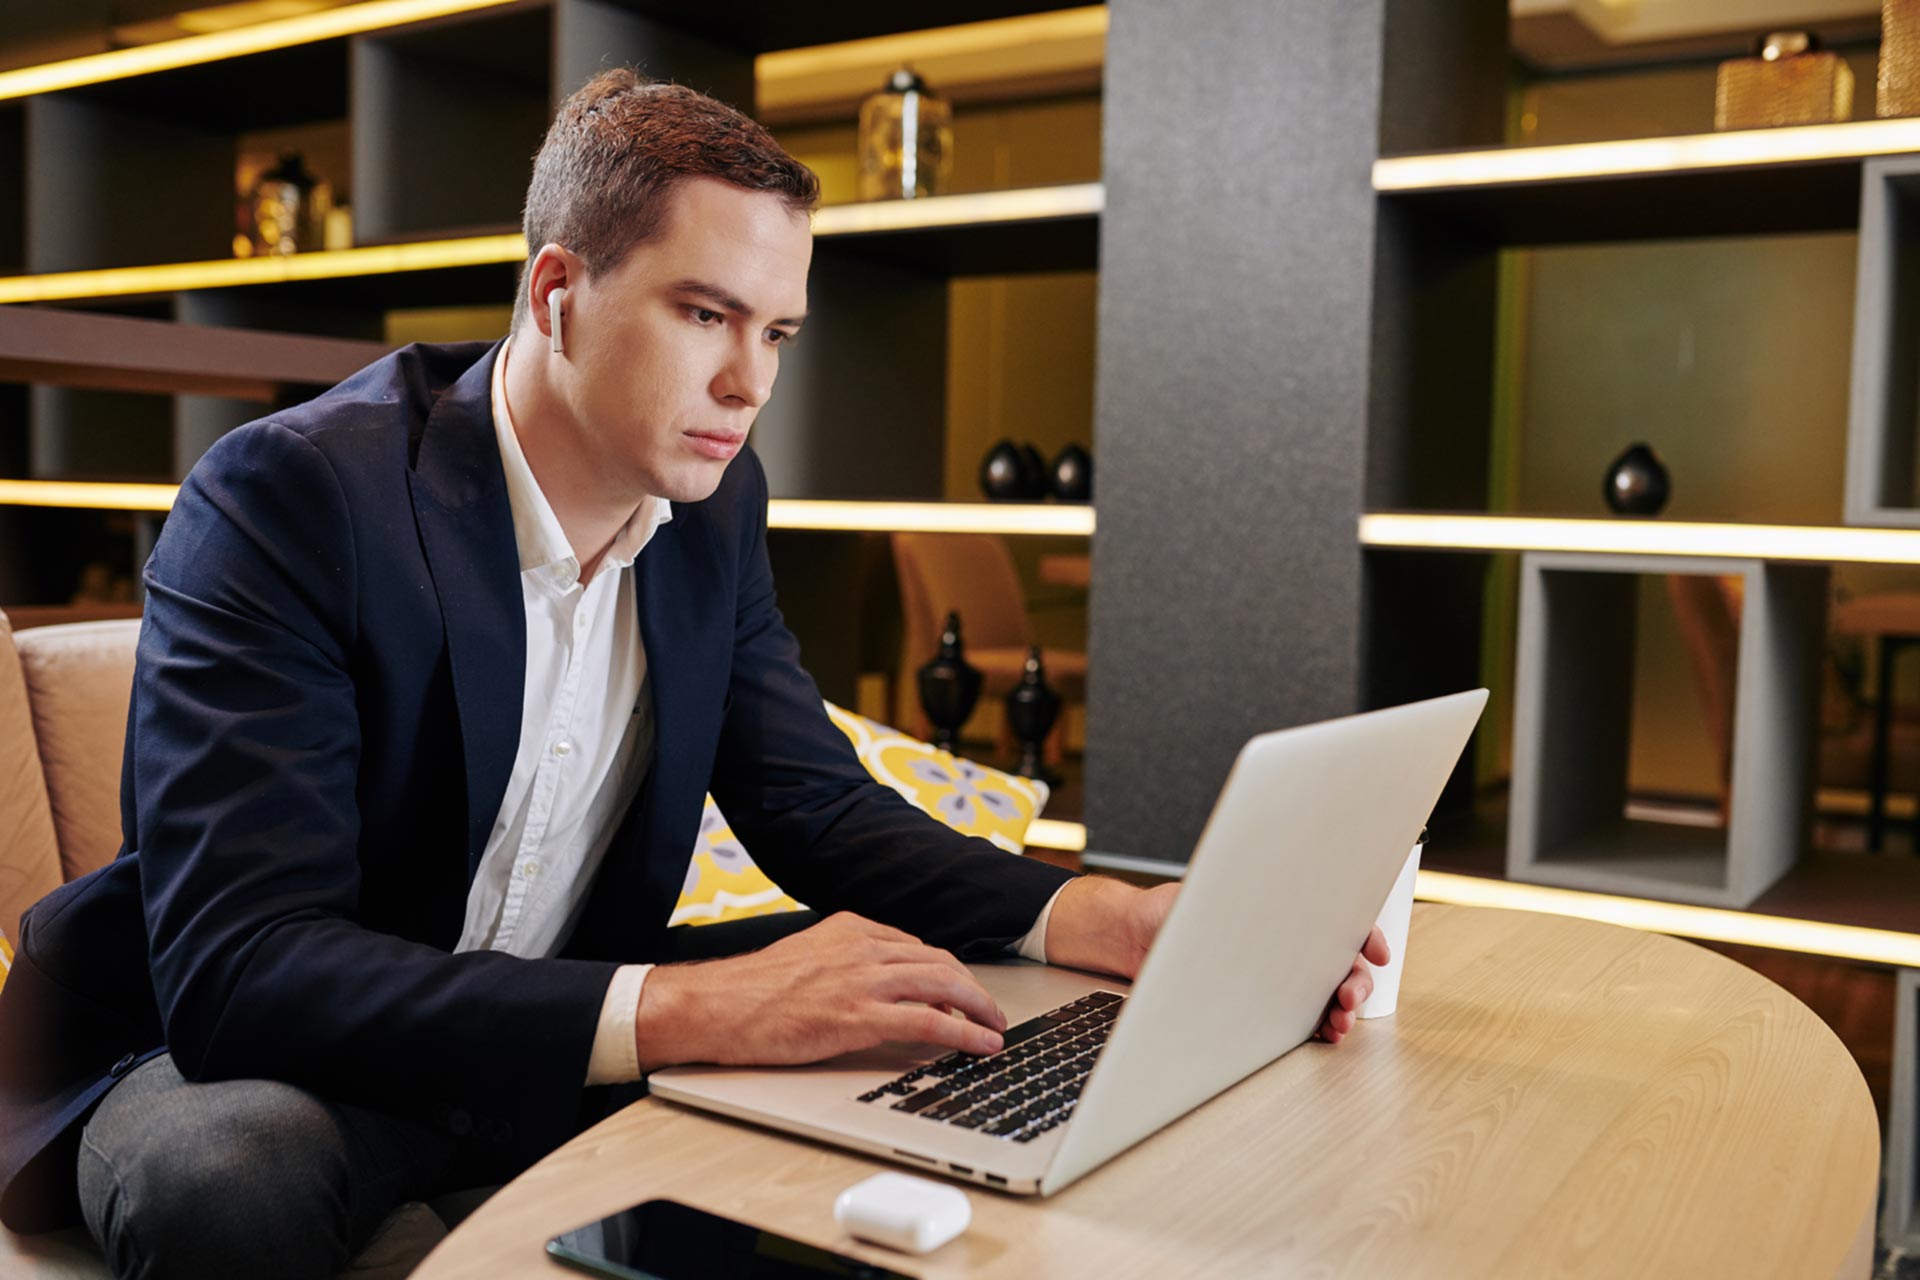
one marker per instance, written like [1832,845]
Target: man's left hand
[1107,926]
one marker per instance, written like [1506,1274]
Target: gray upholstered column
[1236,322]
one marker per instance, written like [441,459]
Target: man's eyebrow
[729,302]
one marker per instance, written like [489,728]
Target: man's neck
[588,515]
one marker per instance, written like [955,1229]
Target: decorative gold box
[1899,58]
[1791,81]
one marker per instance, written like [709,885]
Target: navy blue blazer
[325,710]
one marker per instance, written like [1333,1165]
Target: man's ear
[553,273]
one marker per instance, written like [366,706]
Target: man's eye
[779,336]
[703,316]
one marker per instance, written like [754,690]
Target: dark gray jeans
[250,1178]
[243,1177]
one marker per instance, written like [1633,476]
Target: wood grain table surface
[1554,1097]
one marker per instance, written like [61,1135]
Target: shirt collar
[542,542]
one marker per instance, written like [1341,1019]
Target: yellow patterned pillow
[724,884]
[6,959]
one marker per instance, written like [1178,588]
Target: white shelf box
[1573,710]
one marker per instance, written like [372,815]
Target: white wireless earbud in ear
[554,298]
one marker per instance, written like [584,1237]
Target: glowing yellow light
[328,24]
[1742,149]
[1031,204]
[96,496]
[997,37]
[784,513]
[1037,204]
[267,269]
[1051,833]
[1823,544]
[929,517]
[1714,924]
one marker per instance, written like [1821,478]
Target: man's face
[671,354]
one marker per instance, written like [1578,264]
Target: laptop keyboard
[1030,1086]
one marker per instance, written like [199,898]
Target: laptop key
[946,1110]
[918,1102]
[972,1120]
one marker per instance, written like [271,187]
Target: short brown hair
[616,150]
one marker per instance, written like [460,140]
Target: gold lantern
[1791,81]
[1899,58]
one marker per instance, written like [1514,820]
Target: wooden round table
[1554,1098]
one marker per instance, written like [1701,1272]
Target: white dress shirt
[586,739]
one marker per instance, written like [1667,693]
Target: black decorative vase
[1637,483]
[1036,473]
[1012,473]
[1072,475]
[949,688]
[1032,708]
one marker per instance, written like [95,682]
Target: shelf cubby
[13,187]
[1572,721]
[1883,425]
[447,116]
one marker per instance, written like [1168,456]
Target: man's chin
[693,484]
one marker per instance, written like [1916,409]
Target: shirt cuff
[1034,945]
[616,1058]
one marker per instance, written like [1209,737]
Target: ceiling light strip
[1496,166]
[226,273]
[1816,543]
[930,517]
[1715,924]
[215,46]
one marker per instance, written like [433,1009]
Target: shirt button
[562,747]
[528,868]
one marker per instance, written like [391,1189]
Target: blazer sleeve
[819,824]
[244,748]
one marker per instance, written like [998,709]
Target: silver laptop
[1304,843]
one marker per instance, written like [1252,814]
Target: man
[434,673]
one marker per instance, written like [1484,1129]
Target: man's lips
[717,444]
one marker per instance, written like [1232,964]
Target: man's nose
[747,378]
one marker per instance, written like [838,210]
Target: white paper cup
[1394,919]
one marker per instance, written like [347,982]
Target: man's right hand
[847,983]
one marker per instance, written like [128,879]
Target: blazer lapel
[466,530]
[673,644]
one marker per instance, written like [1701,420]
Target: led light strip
[188,51]
[224,273]
[1032,204]
[89,495]
[930,517]
[1496,166]
[1051,833]
[1037,204]
[783,513]
[1715,924]
[1822,544]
